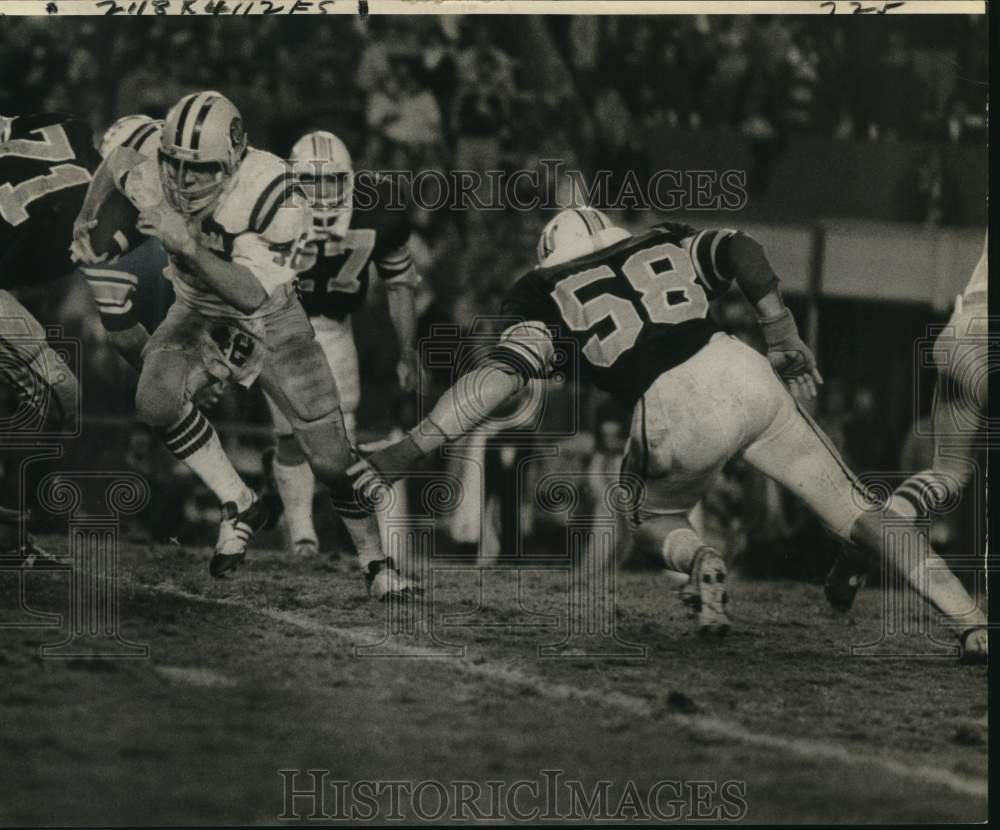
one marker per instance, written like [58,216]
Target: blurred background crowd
[810,106]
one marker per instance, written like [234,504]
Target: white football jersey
[980,280]
[255,223]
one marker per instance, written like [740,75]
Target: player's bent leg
[299,381]
[336,339]
[684,551]
[796,453]
[961,355]
[171,375]
[927,574]
[677,453]
[295,484]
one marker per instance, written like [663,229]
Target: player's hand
[408,371]
[796,365]
[170,228]
[790,357]
[384,467]
[80,248]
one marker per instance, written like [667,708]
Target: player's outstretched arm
[791,358]
[472,400]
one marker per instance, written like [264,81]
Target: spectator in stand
[439,72]
[929,193]
[406,118]
[485,97]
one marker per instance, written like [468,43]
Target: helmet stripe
[200,121]
[182,120]
[588,220]
[137,136]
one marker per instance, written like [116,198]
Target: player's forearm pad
[779,330]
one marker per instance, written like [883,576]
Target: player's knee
[158,404]
[309,386]
[326,447]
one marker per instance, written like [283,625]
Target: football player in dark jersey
[637,308]
[347,241]
[45,164]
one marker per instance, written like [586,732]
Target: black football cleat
[235,533]
[847,576]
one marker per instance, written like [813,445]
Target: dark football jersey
[336,284]
[634,309]
[45,168]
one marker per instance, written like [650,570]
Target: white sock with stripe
[297,486]
[920,495]
[193,440]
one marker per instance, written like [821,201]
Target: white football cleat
[305,548]
[705,594]
[386,582]
[235,532]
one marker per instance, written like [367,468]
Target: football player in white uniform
[963,364]
[637,306]
[961,355]
[116,284]
[230,218]
[345,243]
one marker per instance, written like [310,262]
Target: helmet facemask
[191,186]
[329,193]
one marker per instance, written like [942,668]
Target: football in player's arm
[119,286]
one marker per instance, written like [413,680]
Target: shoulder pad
[677,230]
[137,177]
[264,200]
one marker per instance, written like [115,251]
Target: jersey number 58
[668,290]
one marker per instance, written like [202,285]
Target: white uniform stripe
[107,272]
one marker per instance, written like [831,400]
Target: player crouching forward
[226,215]
[638,308]
[335,262]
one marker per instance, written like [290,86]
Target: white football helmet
[576,232]
[202,146]
[321,164]
[134,131]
